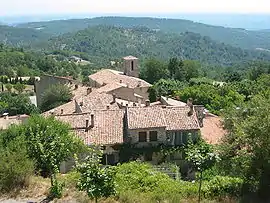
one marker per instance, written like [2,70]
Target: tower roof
[130,58]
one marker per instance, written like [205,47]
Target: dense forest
[19,37]
[109,42]
[235,37]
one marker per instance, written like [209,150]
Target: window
[142,136]
[153,136]
[132,65]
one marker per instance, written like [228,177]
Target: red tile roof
[107,76]
[173,118]
[177,118]
[148,117]
[212,130]
[68,108]
[96,101]
[108,126]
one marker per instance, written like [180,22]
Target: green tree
[15,165]
[18,104]
[246,147]
[49,142]
[96,180]
[154,70]
[55,95]
[192,69]
[173,66]
[202,157]
[8,87]
[19,87]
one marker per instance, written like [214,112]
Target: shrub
[221,186]
[143,178]
[15,167]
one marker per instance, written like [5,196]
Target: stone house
[125,85]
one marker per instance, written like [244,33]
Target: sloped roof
[148,117]
[177,118]
[108,126]
[107,76]
[173,118]
[212,130]
[96,101]
[68,108]
[130,58]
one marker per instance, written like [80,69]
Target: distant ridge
[236,37]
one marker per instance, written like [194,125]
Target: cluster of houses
[114,110]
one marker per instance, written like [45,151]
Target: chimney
[81,103]
[86,125]
[108,107]
[147,102]
[89,90]
[114,98]
[190,104]
[76,87]
[134,104]
[92,120]
[120,81]
[62,111]
[139,83]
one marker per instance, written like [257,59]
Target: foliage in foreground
[48,143]
[96,180]
[15,166]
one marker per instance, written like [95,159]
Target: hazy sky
[29,7]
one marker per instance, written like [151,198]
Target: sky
[44,7]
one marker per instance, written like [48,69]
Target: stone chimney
[190,104]
[92,121]
[114,98]
[89,90]
[62,111]
[108,107]
[120,81]
[139,83]
[86,125]
[147,102]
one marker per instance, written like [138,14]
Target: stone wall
[45,82]
[134,136]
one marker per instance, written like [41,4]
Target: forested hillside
[108,43]
[20,36]
[235,37]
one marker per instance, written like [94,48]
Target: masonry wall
[142,91]
[125,94]
[134,136]
[94,83]
[127,68]
[44,83]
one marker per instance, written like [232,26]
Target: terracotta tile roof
[148,117]
[173,118]
[177,118]
[96,101]
[108,126]
[68,108]
[107,76]
[212,130]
